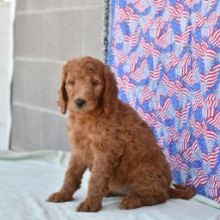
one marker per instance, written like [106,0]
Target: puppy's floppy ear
[110,95]
[62,94]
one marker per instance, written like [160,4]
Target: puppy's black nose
[80,102]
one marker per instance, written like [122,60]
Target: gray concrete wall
[4,74]
[48,32]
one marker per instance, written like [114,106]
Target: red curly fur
[110,139]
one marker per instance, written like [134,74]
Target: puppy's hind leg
[146,190]
[133,200]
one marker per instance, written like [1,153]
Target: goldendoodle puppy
[110,139]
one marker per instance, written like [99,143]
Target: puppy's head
[87,84]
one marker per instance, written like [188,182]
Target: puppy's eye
[95,82]
[71,83]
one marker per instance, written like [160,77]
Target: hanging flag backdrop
[166,55]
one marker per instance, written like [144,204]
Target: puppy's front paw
[60,197]
[89,206]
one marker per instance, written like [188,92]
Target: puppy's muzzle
[80,102]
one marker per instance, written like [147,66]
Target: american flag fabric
[166,55]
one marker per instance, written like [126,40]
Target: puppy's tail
[182,192]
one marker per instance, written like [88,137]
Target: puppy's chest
[85,139]
[87,133]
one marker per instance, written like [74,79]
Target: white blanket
[27,179]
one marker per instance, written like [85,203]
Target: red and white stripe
[205,157]
[196,47]
[190,151]
[121,57]
[178,163]
[212,102]
[211,135]
[212,20]
[161,111]
[215,120]
[173,61]
[189,76]
[202,50]
[155,74]
[184,37]
[133,38]
[210,78]
[138,75]
[206,51]
[159,24]
[165,150]
[180,88]
[183,113]
[211,158]
[149,49]
[171,85]
[190,3]
[125,84]
[159,4]
[161,143]
[189,181]
[146,117]
[185,139]
[203,20]
[156,123]
[199,101]
[167,105]
[215,38]
[201,178]
[174,86]
[178,12]
[202,129]
[150,23]
[212,3]
[188,154]
[117,29]
[188,73]
[164,40]
[195,146]
[146,94]
[161,114]
[173,135]
[140,5]
[194,66]
[127,14]
[215,183]
[133,62]
[200,20]
[196,126]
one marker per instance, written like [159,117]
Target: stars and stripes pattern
[166,55]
